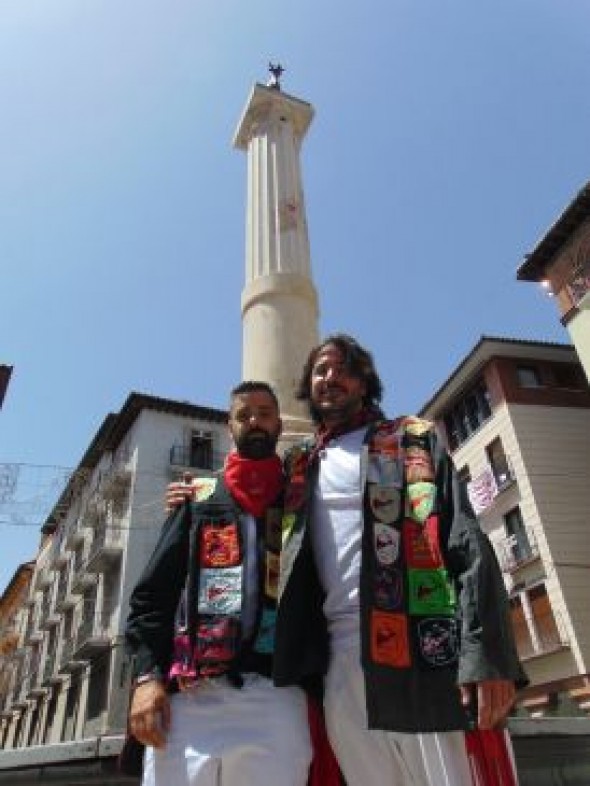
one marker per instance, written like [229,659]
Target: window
[467,415]
[464,478]
[499,463]
[534,622]
[568,376]
[545,624]
[528,377]
[201,450]
[519,548]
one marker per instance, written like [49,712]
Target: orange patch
[389,639]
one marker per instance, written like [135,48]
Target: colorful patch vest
[410,600]
[209,639]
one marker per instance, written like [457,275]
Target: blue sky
[448,136]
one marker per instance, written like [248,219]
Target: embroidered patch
[388,589]
[203,488]
[271,580]
[385,502]
[265,637]
[420,500]
[220,545]
[384,470]
[430,592]
[389,639]
[217,640]
[385,442]
[273,528]
[421,544]
[220,590]
[438,640]
[416,426]
[287,524]
[419,466]
[386,541]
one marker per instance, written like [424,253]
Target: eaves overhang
[538,260]
[472,364]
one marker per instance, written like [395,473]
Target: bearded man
[201,625]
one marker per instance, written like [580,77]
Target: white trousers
[224,736]
[379,758]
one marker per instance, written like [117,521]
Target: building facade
[516,418]
[561,263]
[67,677]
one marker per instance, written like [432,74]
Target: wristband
[152,676]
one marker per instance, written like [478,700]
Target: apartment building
[11,604]
[516,418]
[67,678]
[561,263]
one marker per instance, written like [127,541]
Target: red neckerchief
[324,433]
[253,483]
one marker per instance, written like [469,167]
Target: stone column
[279,300]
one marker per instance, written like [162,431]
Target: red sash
[489,758]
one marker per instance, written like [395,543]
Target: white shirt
[336,531]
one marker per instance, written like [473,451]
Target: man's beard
[257,445]
[340,413]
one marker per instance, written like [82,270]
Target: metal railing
[514,552]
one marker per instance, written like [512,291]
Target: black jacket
[419,694]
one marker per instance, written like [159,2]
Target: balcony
[43,577]
[68,662]
[81,579]
[64,598]
[204,459]
[94,636]
[115,489]
[19,695]
[515,552]
[58,556]
[49,676]
[543,635]
[484,489]
[74,533]
[105,549]
[34,688]
[33,632]
[49,616]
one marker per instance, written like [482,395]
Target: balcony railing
[513,551]
[94,634]
[67,659]
[64,598]
[484,488]
[49,676]
[106,547]
[34,687]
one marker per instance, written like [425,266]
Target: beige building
[561,263]
[516,417]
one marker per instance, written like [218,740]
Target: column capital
[263,104]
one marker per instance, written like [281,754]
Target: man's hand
[149,714]
[178,492]
[494,700]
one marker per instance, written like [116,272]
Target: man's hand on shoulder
[494,701]
[149,713]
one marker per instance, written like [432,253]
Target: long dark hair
[359,363]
